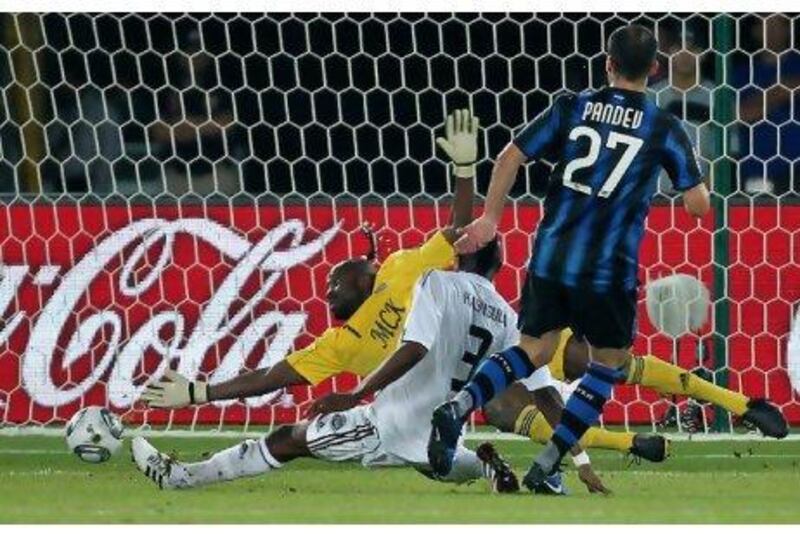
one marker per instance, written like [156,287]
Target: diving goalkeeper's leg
[666,378]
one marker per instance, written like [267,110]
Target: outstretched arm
[175,391]
[420,331]
[392,369]
[535,140]
[257,382]
[463,195]
[461,146]
[310,365]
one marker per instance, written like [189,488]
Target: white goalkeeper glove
[461,143]
[177,391]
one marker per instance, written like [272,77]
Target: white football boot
[160,468]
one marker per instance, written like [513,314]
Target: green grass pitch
[703,482]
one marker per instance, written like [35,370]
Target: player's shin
[492,376]
[583,409]
[667,378]
[249,458]
[531,423]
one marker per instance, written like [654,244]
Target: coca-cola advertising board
[96,301]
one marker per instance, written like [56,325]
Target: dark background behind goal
[200,105]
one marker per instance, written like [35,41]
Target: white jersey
[460,318]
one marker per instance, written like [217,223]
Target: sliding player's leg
[252,457]
[530,421]
[341,436]
[653,372]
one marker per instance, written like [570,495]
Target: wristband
[198,392]
[581,459]
[464,170]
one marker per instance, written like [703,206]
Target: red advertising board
[94,300]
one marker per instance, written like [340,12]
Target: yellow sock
[667,378]
[531,423]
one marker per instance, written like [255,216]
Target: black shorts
[606,320]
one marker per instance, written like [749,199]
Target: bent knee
[611,357]
[503,411]
[540,350]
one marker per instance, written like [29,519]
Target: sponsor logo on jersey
[386,324]
[337,421]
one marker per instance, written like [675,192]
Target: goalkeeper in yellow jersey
[371,300]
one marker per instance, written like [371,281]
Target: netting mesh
[182,142]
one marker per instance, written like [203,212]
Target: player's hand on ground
[592,481]
[476,235]
[332,403]
[174,391]
[461,142]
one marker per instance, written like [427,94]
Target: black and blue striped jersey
[609,146]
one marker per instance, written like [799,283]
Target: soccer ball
[94,434]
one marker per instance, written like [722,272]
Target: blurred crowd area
[199,104]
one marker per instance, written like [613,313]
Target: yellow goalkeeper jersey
[370,336]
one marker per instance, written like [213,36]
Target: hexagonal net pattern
[174,189]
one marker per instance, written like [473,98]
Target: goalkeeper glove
[176,392]
[461,143]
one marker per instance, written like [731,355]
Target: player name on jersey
[612,114]
[388,321]
[482,307]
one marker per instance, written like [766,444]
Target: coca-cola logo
[277,251]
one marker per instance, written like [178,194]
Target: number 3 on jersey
[469,360]
[632,146]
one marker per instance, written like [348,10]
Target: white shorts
[539,379]
[349,436]
[352,436]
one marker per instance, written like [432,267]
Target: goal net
[175,188]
